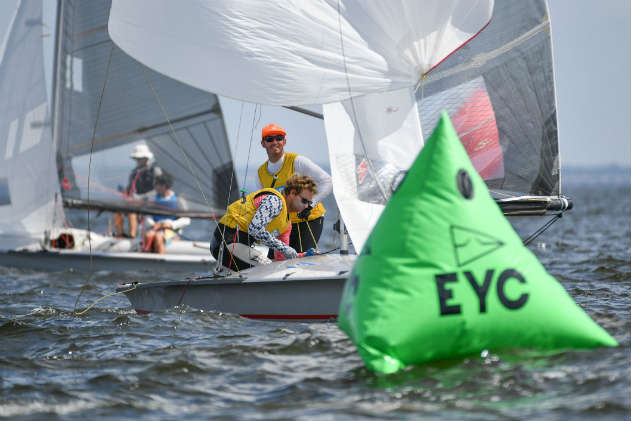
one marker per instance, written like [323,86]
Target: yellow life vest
[240,214]
[279,180]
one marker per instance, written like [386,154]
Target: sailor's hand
[290,253]
[261,259]
[310,252]
[304,214]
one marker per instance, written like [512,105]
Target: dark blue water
[111,363]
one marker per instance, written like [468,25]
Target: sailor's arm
[178,223]
[269,208]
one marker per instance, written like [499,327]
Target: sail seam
[481,59]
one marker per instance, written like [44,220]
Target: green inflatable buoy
[443,274]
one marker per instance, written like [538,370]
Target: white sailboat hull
[59,260]
[91,251]
[302,289]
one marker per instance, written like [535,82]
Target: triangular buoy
[443,274]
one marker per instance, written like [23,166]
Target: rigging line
[232,177]
[236,147]
[207,158]
[96,122]
[330,251]
[224,244]
[255,121]
[149,128]
[174,134]
[256,118]
[502,193]
[421,84]
[233,174]
[79,313]
[156,144]
[212,138]
[543,228]
[196,141]
[371,168]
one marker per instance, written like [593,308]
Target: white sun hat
[141,151]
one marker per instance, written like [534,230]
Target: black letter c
[505,276]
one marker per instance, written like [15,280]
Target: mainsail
[107,100]
[29,191]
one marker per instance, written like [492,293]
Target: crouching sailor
[263,217]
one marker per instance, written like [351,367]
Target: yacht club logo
[470,245]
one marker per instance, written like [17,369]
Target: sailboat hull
[60,260]
[302,289]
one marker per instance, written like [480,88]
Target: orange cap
[272,129]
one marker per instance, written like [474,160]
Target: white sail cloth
[28,174]
[385,131]
[289,52]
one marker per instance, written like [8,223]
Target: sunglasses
[305,201]
[270,139]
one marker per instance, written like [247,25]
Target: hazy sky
[591,45]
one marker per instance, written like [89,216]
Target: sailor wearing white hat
[141,151]
[139,186]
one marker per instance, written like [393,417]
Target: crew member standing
[280,166]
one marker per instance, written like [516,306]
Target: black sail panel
[110,102]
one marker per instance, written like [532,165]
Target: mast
[57,111]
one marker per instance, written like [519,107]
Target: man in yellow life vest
[274,173]
[262,216]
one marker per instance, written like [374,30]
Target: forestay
[101,86]
[29,191]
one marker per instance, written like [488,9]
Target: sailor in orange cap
[280,166]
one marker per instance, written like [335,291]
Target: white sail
[295,52]
[372,141]
[29,191]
